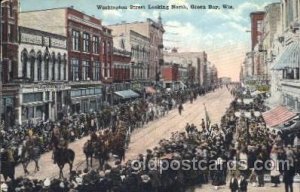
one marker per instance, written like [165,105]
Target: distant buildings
[198,69]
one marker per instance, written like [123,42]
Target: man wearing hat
[242,183]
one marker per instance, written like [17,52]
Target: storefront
[85,100]
[31,103]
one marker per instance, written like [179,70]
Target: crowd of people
[44,136]
[243,141]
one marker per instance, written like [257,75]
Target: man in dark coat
[242,184]
[180,108]
[233,184]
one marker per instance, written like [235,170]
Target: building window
[32,97]
[95,44]
[75,40]
[10,33]
[46,68]
[75,69]
[39,66]
[53,65]
[24,60]
[85,70]
[10,10]
[59,65]
[86,42]
[96,71]
[108,48]
[32,64]
[65,66]
[103,47]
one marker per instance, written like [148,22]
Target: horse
[27,154]
[102,152]
[88,150]
[7,165]
[63,156]
[118,146]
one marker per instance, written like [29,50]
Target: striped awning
[277,116]
[150,90]
[289,58]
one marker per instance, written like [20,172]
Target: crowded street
[154,96]
[213,105]
[147,136]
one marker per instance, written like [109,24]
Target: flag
[207,119]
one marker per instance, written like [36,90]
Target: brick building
[90,51]
[9,48]
[121,66]
[39,90]
[148,30]
[256,27]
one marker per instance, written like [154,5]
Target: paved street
[150,135]
[146,137]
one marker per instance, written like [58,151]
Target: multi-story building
[9,46]
[271,22]
[171,76]
[248,66]
[287,61]
[198,60]
[90,50]
[121,66]
[147,30]
[256,19]
[139,46]
[38,89]
[256,27]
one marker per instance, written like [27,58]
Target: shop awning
[150,90]
[127,94]
[289,58]
[278,116]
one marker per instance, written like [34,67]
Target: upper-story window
[95,44]
[75,40]
[65,67]
[85,70]
[10,33]
[108,47]
[75,69]
[96,71]
[10,10]
[39,66]
[86,42]
[59,66]
[46,66]
[53,65]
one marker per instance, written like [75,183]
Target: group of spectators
[80,125]
[239,151]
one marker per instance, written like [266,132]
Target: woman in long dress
[274,167]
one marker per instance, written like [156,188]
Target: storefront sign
[45,87]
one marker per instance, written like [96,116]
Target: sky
[221,33]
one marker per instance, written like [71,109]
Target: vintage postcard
[149,95]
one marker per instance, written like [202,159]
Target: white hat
[145,178]
[47,182]
[102,174]
[107,171]
[4,187]
[78,180]
[62,185]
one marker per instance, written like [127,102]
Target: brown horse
[63,156]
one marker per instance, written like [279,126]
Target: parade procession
[158,96]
